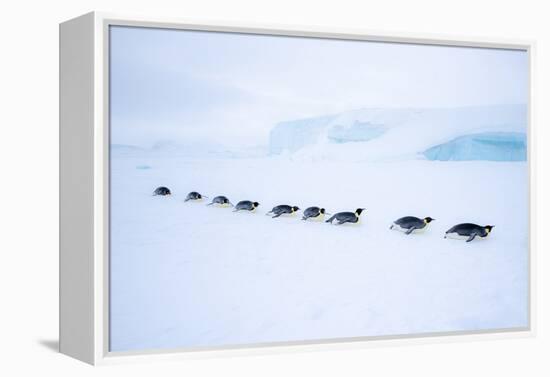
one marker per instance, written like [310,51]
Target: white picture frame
[84,187]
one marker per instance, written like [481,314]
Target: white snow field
[191,275]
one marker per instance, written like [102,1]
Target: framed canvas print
[235,188]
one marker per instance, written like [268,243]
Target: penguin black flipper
[471,238]
[410,230]
[277,215]
[330,220]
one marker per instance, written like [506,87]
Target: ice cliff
[495,133]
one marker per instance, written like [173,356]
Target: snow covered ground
[188,275]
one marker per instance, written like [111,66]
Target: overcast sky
[189,86]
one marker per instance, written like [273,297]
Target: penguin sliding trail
[407,224]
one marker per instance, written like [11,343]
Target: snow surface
[188,275]
[409,132]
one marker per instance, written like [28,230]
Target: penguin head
[322,211]
[255,204]
[488,228]
[358,211]
[428,220]
[225,201]
[199,196]
[294,209]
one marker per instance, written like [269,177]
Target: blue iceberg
[488,146]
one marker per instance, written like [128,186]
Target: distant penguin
[468,231]
[409,224]
[221,201]
[346,217]
[162,191]
[283,209]
[246,205]
[193,195]
[314,213]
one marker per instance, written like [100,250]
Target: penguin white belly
[399,228]
[321,217]
[456,236]
[420,230]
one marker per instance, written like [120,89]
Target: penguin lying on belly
[409,224]
[246,205]
[468,231]
[314,213]
[193,195]
[283,209]
[162,191]
[221,201]
[346,217]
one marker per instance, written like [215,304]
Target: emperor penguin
[246,205]
[283,209]
[314,213]
[346,217]
[468,231]
[221,201]
[162,191]
[409,224]
[193,195]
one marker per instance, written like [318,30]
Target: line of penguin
[407,224]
